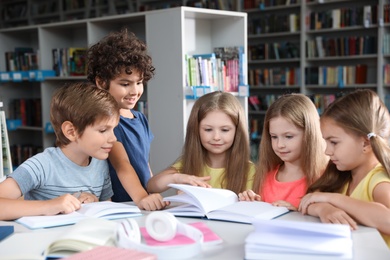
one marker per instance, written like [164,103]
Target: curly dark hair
[117,51]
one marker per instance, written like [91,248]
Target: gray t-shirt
[50,174]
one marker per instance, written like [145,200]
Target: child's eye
[225,130]
[103,130]
[207,129]
[274,137]
[289,136]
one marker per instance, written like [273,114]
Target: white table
[368,244]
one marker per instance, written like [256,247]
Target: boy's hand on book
[181,178]
[86,197]
[152,202]
[64,204]
[249,195]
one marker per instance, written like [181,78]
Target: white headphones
[162,226]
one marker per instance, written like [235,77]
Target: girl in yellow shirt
[355,187]
[216,150]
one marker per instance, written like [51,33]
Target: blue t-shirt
[50,174]
[136,137]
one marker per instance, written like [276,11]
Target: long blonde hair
[359,113]
[194,156]
[301,111]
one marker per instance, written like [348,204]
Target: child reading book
[120,64]
[83,118]
[216,148]
[355,187]
[291,152]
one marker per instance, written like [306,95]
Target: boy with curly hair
[120,64]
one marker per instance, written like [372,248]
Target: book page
[296,237]
[246,211]
[109,210]
[34,222]
[207,199]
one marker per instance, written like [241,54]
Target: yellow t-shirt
[216,174]
[365,189]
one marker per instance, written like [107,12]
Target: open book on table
[284,239]
[103,209]
[219,204]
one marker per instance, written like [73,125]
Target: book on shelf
[103,209]
[219,204]
[5,152]
[285,239]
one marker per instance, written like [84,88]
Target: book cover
[219,204]
[103,209]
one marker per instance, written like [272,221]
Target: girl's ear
[69,130]
[367,145]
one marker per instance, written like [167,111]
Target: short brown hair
[81,103]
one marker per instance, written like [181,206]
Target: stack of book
[282,239]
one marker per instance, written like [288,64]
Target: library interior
[258,50]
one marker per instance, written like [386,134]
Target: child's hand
[152,202]
[181,178]
[311,198]
[249,195]
[65,204]
[282,203]
[330,214]
[86,197]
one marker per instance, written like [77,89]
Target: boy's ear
[69,130]
[99,83]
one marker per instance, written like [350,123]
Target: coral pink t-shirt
[291,192]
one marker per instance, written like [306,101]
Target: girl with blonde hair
[291,152]
[216,151]
[355,187]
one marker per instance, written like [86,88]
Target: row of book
[285,76]
[262,102]
[274,23]
[386,74]
[28,110]
[341,46]
[224,69]
[21,59]
[261,4]
[5,152]
[274,51]
[386,13]
[386,44]
[343,17]
[337,75]
[70,61]
[20,153]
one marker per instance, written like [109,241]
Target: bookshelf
[338,44]
[29,12]
[185,30]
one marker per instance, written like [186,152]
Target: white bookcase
[176,32]
[169,34]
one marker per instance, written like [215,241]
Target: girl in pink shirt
[291,152]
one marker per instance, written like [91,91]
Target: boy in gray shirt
[60,178]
